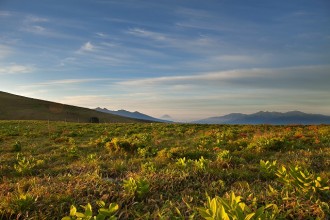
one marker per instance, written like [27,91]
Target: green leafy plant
[146,151]
[300,180]
[120,144]
[136,187]
[234,209]
[181,162]
[224,155]
[148,167]
[22,202]
[24,165]
[201,164]
[268,168]
[103,212]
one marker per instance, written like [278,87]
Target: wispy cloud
[33,24]
[5,13]
[199,44]
[35,19]
[64,82]
[236,58]
[44,26]
[100,53]
[16,69]
[101,35]
[208,21]
[302,77]
[5,51]
[139,32]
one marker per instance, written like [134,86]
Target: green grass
[163,171]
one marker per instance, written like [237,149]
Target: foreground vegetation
[163,171]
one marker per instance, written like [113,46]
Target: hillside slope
[14,107]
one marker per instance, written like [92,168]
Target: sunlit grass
[163,171]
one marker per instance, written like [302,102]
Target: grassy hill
[14,107]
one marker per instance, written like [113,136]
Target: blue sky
[186,58]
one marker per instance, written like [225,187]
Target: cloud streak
[5,51]
[302,77]
[65,82]
[16,69]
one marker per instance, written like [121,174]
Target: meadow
[58,170]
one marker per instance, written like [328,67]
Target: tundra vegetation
[60,170]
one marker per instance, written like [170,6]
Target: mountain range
[15,107]
[129,114]
[275,118]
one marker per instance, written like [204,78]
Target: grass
[163,171]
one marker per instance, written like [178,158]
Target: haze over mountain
[14,107]
[166,117]
[276,118]
[129,114]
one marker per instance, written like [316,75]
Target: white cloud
[15,69]
[87,47]
[147,34]
[101,35]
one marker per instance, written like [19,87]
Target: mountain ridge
[266,117]
[135,114]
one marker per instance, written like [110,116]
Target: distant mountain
[136,115]
[166,117]
[14,107]
[276,118]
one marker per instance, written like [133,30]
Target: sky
[190,59]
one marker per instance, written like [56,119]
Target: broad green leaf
[88,210]
[105,212]
[80,215]
[113,207]
[249,216]
[213,206]
[259,212]
[73,210]
[223,214]
[204,213]
[100,217]
[100,203]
